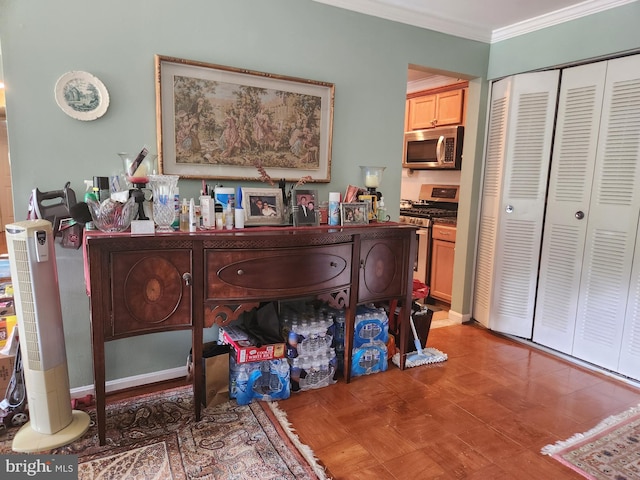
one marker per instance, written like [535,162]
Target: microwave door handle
[439,149]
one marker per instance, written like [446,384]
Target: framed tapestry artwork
[356,213]
[220,122]
[305,209]
[262,206]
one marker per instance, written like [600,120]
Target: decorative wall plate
[81,95]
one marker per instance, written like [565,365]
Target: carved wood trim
[284,241]
[222,315]
[339,299]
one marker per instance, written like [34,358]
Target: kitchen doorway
[6,194]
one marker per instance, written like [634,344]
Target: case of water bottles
[311,348]
[371,334]
[266,380]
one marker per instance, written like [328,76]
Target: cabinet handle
[187,279]
[509,209]
[579,214]
[333,264]
[240,272]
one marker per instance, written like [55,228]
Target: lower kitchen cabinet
[443,253]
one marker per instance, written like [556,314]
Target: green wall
[365,57]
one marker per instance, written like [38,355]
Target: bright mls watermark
[46,467]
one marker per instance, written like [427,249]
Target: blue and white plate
[81,96]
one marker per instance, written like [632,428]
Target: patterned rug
[155,436]
[609,451]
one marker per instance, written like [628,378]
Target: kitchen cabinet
[442,256]
[429,110]
[191,281]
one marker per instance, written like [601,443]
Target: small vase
[163,189]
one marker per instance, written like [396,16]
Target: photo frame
[356,213]
[262,206]
[352,192]
[221,122]
[305,207]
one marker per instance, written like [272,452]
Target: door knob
[579,214]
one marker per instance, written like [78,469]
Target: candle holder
[372,177]
[137,174]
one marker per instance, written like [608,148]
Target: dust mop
[422,356]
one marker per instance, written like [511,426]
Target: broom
[422,356]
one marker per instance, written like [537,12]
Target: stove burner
[427,212]
[430,210]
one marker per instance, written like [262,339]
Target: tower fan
[34,276]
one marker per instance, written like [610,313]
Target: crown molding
[474,32]
[428,83]
[550,19]
[412,17]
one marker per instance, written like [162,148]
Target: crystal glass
[111,216]
[163,189]
[138,174]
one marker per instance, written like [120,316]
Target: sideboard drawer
[243,274]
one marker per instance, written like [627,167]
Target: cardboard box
[6,371]
[244,350]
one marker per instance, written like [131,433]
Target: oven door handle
[440,149]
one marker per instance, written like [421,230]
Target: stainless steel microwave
[434,148]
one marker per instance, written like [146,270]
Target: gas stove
[435,201]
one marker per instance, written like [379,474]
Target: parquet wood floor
[485,413]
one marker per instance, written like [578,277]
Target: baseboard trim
[130,382]
[459,317]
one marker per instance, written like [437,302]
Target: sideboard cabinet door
[383,269]
[149,291]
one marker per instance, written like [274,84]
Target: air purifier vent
[21,257]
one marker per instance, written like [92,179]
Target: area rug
[155,436]
[609,451]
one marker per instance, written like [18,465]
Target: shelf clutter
[293,346]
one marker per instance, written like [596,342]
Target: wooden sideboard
[145,284]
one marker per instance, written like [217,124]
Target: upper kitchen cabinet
[436,107]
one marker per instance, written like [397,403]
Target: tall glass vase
[163,188]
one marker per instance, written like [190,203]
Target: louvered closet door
[571,177]
[613,223]
[491,190]
[515,182]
